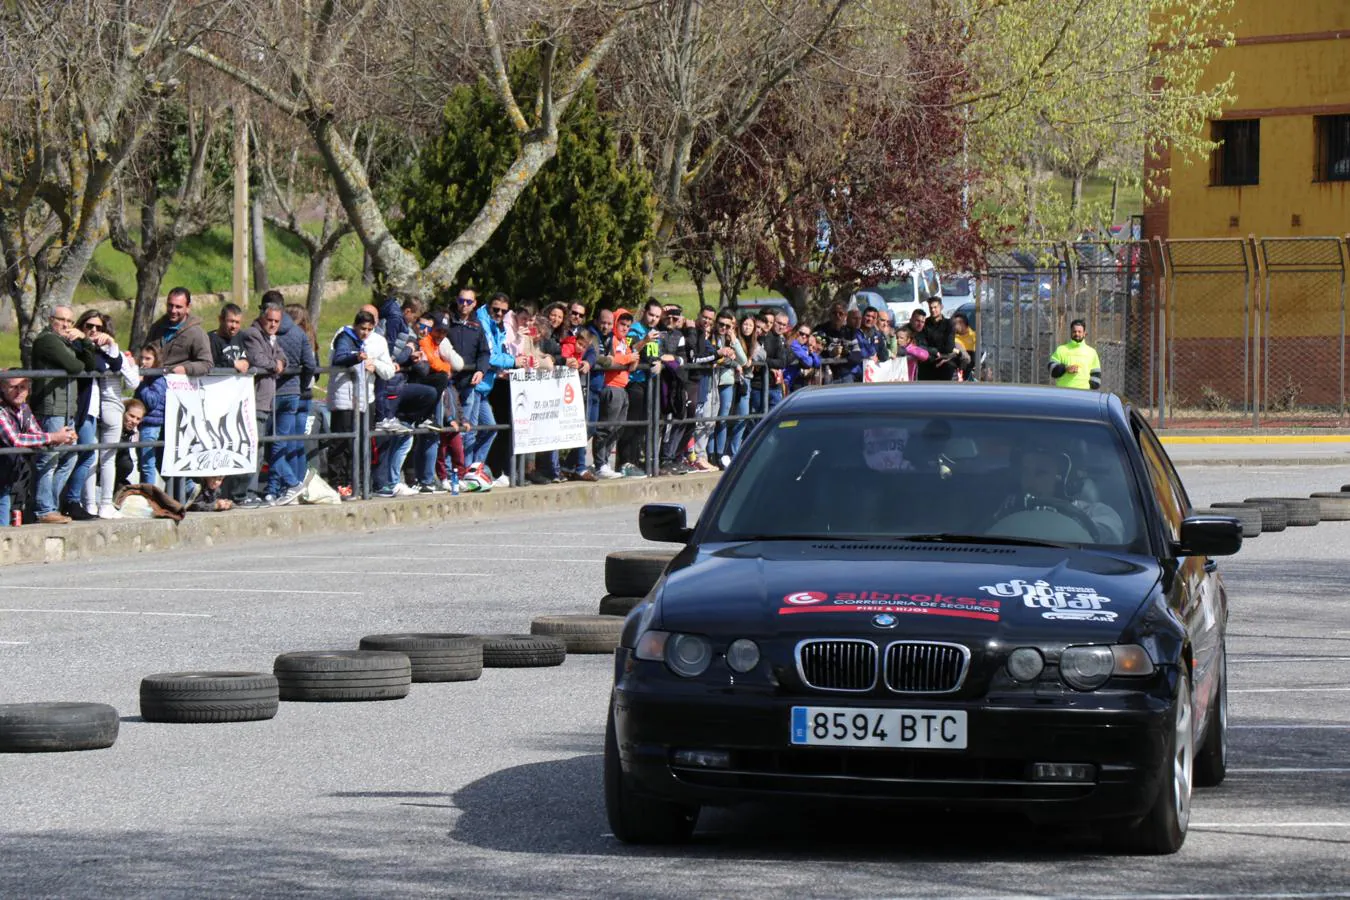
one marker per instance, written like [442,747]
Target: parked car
[907,286]
[984,597]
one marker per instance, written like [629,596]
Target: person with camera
[645,337]
[835,336]
[805,362]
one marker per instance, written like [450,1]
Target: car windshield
[937,477]
[956,286]
[901,290]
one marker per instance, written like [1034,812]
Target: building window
[1333,148]
[1237,159]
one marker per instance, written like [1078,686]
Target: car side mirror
[664,522]
[1209,536]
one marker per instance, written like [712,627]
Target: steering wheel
[1063,507]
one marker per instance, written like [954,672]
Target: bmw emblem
[884,620]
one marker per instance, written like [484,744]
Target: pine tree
[577,233]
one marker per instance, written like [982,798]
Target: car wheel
[434,657]
[343,675]
[581,634]
[204,697]
[1163,829]
[633,573]
[1211,763]
[55,727]
[635,819]
[612,605]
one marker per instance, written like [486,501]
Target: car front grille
[925,667]
[838,665]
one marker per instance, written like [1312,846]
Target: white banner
[209,426]
[548,410]
[896,369]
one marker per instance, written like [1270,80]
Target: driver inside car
[1043,473]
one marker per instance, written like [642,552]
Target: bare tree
[322,66]
[176,197]
[304,180]
[80,85]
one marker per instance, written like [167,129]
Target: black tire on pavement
[1250,517]
[522,651]
[434,657]
[612,605]
[199,697]
[633,573]
[343,675]
[1302,510]
[635,819]
[56,727]
[581,634]
[1274,516]
[1334,507]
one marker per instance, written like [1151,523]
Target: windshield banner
[209,426]
[548,410]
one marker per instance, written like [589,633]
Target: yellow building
[1283,169]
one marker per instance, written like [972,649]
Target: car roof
[956,399]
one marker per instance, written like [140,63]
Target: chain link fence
[1196,333]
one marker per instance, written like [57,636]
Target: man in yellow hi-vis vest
[1075,364]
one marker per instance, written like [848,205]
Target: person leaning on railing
[19,428]
[60,346]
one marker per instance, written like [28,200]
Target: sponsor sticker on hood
[875,603]
[1056,602]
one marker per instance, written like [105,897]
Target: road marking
[423,558]
[111,612]
[1268,659]
[232,589]
[306,572]
[1290,770]
[14,643]
[1288,727]
[1271,825]
[1284,690]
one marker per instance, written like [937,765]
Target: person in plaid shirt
[20,428]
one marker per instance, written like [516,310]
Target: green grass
[203,265]
[1097,192]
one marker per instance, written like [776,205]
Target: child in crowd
[152,393]
[132,415]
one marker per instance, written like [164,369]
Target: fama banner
[548,410]
[209,426]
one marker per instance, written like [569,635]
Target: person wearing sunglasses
[492,319]
[804,360]
[101,403]
[56,403]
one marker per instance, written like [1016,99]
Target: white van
[907,286]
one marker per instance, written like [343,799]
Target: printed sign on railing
[209,426]
[548,410]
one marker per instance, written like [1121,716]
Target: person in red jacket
[617,359]
[19,428]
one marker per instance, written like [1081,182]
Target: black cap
[440,322]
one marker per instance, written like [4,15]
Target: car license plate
[926,729]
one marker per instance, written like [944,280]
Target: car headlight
[742,655]
[685,654]
[1025,664]
[1087,668]
[688,654]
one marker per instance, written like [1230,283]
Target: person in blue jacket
[492,319]
[803,359]
[152,393]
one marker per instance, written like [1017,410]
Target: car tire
[633,573]
[1211,760]
[635,819]
[1274,516]
[209,697]
[434,657]
[612,605]
[1333,507]
[57,727]
[343,675]
[522,651]
[1301,510]
[1248,515]
[581,634]
[1162,830]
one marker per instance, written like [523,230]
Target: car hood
[799,587]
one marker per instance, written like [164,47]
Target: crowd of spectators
[434,383]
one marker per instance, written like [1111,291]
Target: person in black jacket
[775,343]
[56,403]
[940,339]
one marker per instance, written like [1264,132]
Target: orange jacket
[621,355]
[431,349]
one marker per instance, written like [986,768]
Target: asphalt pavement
[492,788]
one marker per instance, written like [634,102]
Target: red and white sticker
[806,598]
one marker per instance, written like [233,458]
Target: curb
[1255,439]
[121,537]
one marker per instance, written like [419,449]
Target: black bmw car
[963,596]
